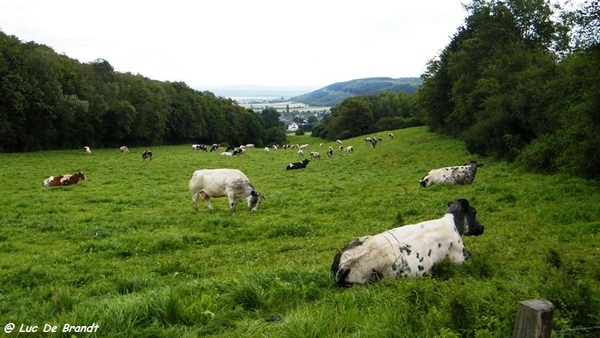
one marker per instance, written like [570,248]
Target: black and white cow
[147,154]
[234,184]
[199,147]
[464,174]
[407,251]
[298,165]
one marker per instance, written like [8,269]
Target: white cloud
[230,42]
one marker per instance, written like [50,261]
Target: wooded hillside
[335,93]
[50,101]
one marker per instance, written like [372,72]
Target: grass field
[125,250]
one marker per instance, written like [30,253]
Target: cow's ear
[464,204]
[253,193]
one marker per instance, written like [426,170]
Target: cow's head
[254,200]
[424,182]
[305,161]
[465,218]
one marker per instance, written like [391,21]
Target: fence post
[534,319]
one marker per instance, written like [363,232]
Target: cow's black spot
[394,266]
[429,253]
[439,245]
[421,267]
[451,245]
[421,259]
[406,248]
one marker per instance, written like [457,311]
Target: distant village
[295,115]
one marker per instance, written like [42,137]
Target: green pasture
[125,249]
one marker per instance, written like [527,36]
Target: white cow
[464,174]
[300,153]
[227,154]
[232,183]
[350,149]
[87,150]
[124,150]
[407,251]
[266,150]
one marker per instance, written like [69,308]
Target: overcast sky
[209,44]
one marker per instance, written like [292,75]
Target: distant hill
[333,94]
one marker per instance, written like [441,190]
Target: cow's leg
[458,253]
[232,200]
[195,196]
[206,200]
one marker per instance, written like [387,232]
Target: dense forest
[50,101]
[519,81]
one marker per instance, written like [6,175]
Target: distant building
[292,127]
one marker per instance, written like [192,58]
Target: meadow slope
[125,250]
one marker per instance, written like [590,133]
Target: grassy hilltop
[125,250]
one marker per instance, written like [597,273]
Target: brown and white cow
[67,179]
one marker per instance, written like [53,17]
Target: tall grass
[124,249]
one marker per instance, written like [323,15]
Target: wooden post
[534,319]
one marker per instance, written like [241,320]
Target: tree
[275,129]
[353,117]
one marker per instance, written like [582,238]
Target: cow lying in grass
[232,183]
[464,174]
[408,251]
[67,179]
[298,165]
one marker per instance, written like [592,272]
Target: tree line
[519,81]
[50,101]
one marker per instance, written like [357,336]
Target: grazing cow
[464,174]
[315,154]
[54,181]
[302,147]
[250,145]
[407,251]
[87,150]
[266,150]
[230,148]
[199,147]
[350,149]
[147,154]
[391,136]
[239,151]
[298,165]
[124,150]
[329,152]
[339,142]
[232,183]
[300,153]
[214,147]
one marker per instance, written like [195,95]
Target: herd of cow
[403,252]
